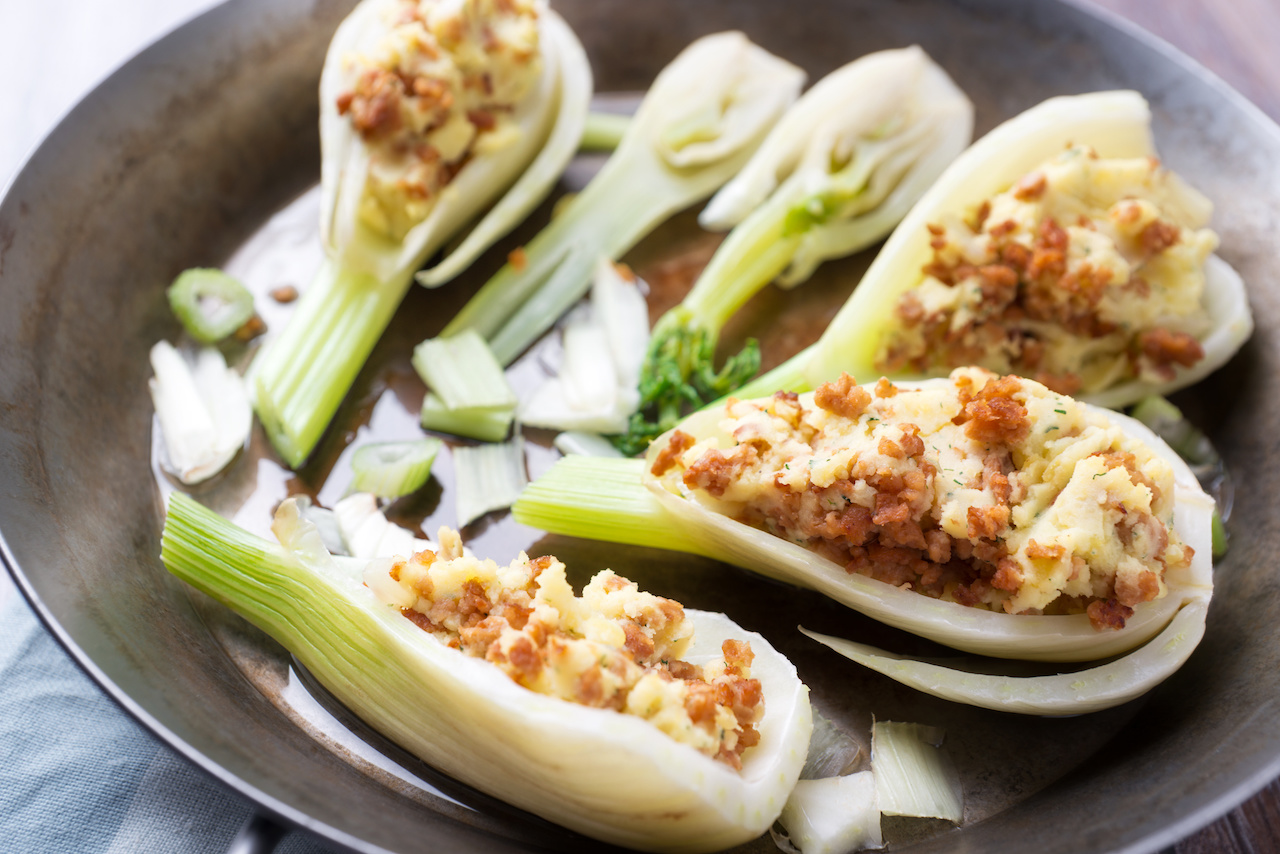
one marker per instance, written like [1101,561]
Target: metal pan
[182,154]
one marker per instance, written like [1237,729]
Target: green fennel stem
[303,376]
[601,498]
[603,131]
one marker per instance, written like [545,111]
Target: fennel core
[699,122]
[834,176]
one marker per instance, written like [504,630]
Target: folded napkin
[77,774]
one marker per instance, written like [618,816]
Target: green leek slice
[210,304]
[393,469]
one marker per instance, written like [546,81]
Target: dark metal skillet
[179,156]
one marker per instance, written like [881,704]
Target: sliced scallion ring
[392,469]
[210,304]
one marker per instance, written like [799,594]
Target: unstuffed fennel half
[835,175]
[304,373]
[700,121]
[622,500]
[611,776]
[1114,125]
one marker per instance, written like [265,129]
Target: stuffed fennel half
[431,113]
[574,708]
[699,123]
[1056,247]
[988,514]
[834,176]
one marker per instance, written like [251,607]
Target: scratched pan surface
[181,159]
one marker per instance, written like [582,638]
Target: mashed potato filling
[615,647]
[1085,273]
[989,491]
[439,88]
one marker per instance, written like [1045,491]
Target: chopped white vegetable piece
[462,371]
[487,425]
[835,815]
[489,477]
[369,534]
[203,411]
[604,345]
[832,752]
[393,469]
[584,444]
[913,776]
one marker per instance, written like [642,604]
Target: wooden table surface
[1234,38]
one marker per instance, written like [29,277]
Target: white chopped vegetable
[369,534]
[613,777]
[202,409]
[584,444]
[488,477]
[832,752]
[393,469]
[913,776]
[463,373]
[834,815]
[604,344]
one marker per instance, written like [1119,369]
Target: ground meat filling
[444,81]
[1087,272]
[989,491]
[614,647]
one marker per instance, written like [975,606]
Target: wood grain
[1235,40]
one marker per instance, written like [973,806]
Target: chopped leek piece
[368,534]
[210,304]
[326,523]
[392,469]
[462,371]
[487,425]
[603,131]
[832,752]
[833,815]
[489,477]
[584,444]
[202,410]
[614,777]
[842,166]
[913,777]
[732,91]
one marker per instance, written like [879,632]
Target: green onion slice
[210,304]
[487,425]
[393,469]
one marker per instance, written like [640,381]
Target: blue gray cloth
[77,774]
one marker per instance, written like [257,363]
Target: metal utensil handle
[259,835]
